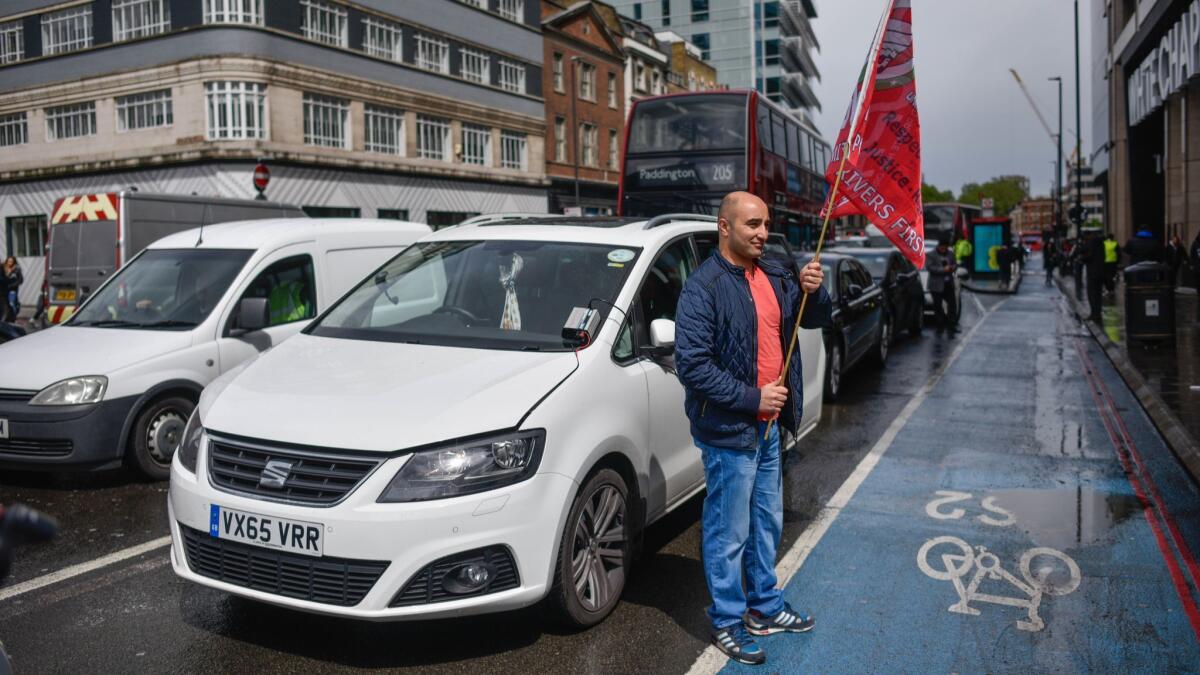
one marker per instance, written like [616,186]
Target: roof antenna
[203,219]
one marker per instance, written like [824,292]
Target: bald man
[735,319]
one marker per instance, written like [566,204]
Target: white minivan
[118,381]
[490,418]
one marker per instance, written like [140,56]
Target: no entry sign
[262,176]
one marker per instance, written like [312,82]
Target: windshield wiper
[169,323]
[106,323]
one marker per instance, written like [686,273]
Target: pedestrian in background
[1112,256]
[734,322]
[941,266]
[1176,256]
[1143,247]
[1196,264]
[1049,260]
[1004,259]
[963,250]
[1092,257]
[13,279]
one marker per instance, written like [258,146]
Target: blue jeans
[741,526]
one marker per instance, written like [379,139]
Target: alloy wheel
[598,549]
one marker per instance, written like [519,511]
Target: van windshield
[481,294]
[168,289]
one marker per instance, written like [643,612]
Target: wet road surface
[136,615]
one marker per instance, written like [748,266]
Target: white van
[119,380]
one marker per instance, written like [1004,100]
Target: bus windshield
[684,123]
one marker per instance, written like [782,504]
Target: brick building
[583,86]
[688,72]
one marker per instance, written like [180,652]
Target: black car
[901,284]
[861,325]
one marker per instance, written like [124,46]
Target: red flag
[881,141]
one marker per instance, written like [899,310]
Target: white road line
[83,568]
[978,303]
[712,659]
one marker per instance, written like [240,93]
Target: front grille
[331,581]
[426,586]
[19,395]
[315,477]
[36,447]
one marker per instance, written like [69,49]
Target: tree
[1006,192]
[931,194]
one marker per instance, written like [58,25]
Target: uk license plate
[294,536]
[65,295]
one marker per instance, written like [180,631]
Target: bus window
[793,153]
[778,134]
[689,123]
[764,126]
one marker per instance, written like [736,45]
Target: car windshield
[170,289]
[480,294]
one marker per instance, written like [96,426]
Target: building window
[144,111]
[392,214]
[639,76]
[637,11]
[770,13]
[476,145]
[433,54]
[560,139]
[383,130]
[512,150]
[382,38]
[332,211]
[234,11]
[771,49]
[558,73]
[612,90]
[656,86]
[12,42]
[513,10]
[476,66]
[702,42]
[139,18]
[587,82]
[326,121]
[14,129]
[235,110]
[666,12]
[613,154]
[699,10]
[71,121]
[433,138]
[512,76]
[439,219]
[67,30]
[325,22]
[588,138]
[27,236]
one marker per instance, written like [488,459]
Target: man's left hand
[811,277]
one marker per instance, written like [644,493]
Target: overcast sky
[975,123]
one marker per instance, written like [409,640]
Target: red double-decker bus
[685,152]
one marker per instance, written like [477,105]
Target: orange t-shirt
[770,345]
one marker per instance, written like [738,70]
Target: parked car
[861,326]
[91,236]
[901,286]
[958,276]
[488,420]
[118,381]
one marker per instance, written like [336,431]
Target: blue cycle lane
[1027,517]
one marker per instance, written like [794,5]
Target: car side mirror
[662,335]
[253,314]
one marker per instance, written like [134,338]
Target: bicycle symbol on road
[1042,571]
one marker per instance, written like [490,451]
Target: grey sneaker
[787,620]
[737,644]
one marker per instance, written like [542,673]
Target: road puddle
[1067,517]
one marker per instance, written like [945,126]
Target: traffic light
[1075,214]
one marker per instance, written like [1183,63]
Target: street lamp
[575,65]
[1058,165]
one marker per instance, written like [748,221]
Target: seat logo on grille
[275,474]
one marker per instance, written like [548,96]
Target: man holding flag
[736,311]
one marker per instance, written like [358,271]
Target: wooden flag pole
[872,55]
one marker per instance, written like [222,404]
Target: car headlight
[467,467]
[189,445]
[75,391]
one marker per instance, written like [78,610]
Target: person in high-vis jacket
[286,303]
[1112,254]
[963,250]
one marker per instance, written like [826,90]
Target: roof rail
[673,217]
[495,218]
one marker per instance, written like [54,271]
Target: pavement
[1017,436]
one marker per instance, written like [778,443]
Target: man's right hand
[772,397]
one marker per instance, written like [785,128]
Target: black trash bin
[1149,302]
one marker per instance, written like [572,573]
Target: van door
[288,280]
[82,256]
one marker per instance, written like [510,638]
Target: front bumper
[525,518]
[64,437]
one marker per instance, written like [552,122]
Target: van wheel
[593,557]
[156,435]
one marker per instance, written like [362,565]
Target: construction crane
[1033,104]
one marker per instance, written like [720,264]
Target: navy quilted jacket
[716,349]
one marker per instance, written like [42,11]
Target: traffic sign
[987,203]
[262,176]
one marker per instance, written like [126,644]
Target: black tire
[834,368]
[155,436]
[879,353]
[579,597]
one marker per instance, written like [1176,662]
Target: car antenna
[203,219]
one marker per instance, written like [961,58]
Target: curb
[1186,449]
